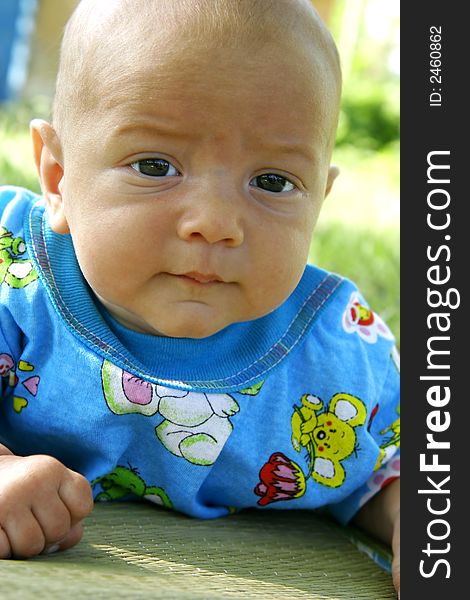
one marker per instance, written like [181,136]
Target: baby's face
[192,195]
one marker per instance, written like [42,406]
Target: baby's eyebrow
[287,147]
[283,146]
[164,129]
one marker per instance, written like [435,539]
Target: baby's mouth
[201,278]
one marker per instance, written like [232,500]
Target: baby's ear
[333,173]
[49,164]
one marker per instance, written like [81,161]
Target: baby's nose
[213,217]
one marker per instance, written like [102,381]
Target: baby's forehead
[108,40]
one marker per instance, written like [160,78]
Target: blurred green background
[358,231]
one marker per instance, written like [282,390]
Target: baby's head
[189,155]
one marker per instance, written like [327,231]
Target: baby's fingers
[75,492]
[72,538]
[5,548]
[53,518]
[24,535]
[396,574]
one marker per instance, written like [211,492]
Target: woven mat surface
[136,551]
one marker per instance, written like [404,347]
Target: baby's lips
[203,277]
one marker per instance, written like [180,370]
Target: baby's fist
[42,504]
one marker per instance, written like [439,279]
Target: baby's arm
[381,517]
[42,504]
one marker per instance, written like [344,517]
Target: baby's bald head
[104,41]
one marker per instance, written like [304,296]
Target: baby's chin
[191,325]
[188,319]
[193,328]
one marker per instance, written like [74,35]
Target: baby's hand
[42,504]
[381,517]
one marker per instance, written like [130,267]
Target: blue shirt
[297,409]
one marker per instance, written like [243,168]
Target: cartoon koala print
[329,436]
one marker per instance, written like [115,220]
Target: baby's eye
[270,182]
[155,167]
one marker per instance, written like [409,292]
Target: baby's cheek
[270,288]
[104,273]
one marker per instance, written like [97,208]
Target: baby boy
[161,335]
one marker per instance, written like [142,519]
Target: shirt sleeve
[384,429]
